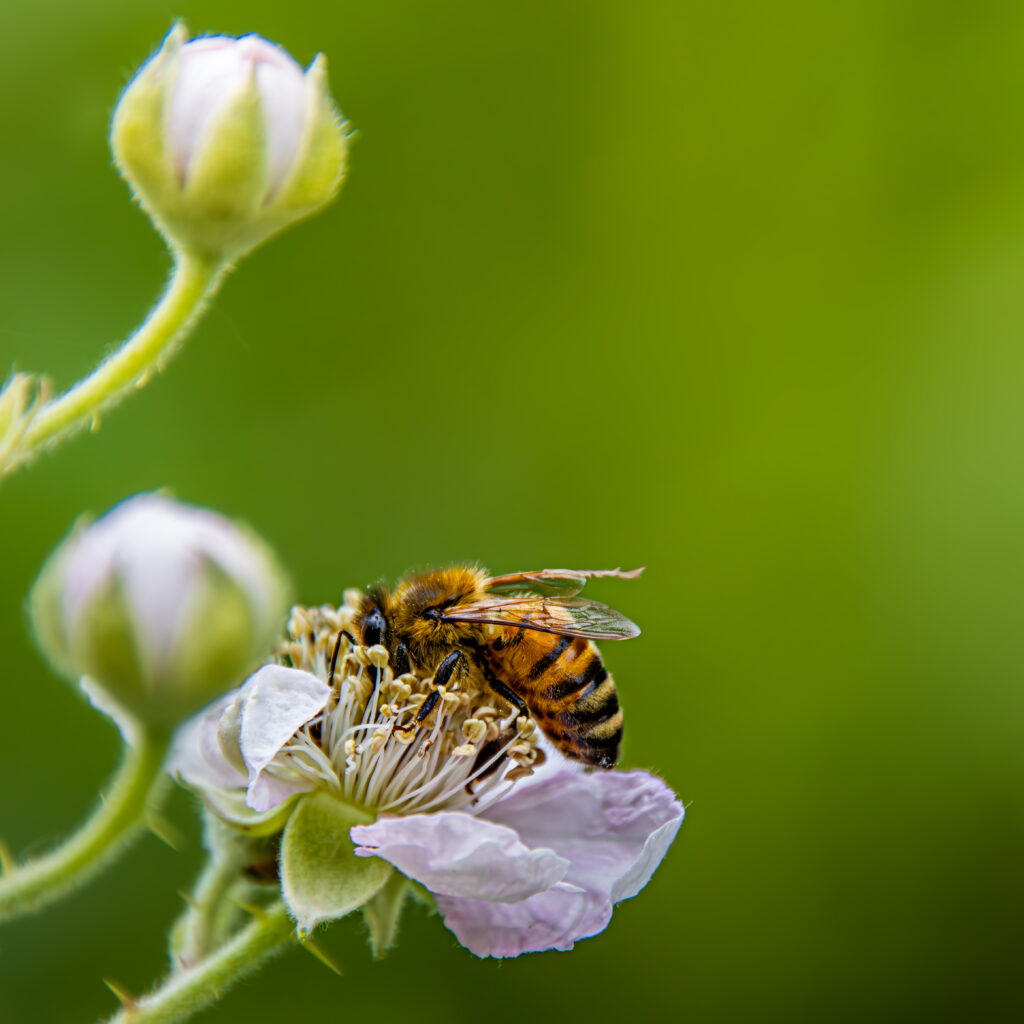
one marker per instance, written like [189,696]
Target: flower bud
[226,141]
[164,606]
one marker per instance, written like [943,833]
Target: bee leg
[444,672]
[508,694]
[334,658]
[428,705]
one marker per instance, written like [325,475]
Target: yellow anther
[378,655]
[466,750]
[474,730]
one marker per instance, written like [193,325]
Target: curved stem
[200,928]
[186,992]
[192,283]
[32,885]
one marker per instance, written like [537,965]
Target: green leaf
[383,912]
[321,877]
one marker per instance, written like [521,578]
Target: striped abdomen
[568,691]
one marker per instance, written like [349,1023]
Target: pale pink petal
[455,854]
[613,827]
[550,920]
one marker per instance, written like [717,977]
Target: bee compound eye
[374,628]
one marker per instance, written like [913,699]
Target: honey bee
[527,634]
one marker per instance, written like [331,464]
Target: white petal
[208,71]
[282,87]
[196,756]
[213,69]
[277,702]
[455,854]
[269,791]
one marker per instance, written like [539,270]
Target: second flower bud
[163,606]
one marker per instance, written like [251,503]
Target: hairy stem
[27,887]
[187,992]
[193,282]
[205,923]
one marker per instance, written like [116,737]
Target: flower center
[399,744]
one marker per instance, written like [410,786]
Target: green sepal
[231,808]
[320,169]
[103,645]
[46,613]
[217,644]
[137,137]
[227,179]
[383,912]
[423,896]
[322,879]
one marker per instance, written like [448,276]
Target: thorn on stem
[251,909]
[127,1000]
[187,897]
[317,951]
[164,831]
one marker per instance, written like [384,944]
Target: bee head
[420,605]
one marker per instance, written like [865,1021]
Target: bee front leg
[441,677]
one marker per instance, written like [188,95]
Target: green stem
[187,992]
[201,927]
[32,885]
[192,284]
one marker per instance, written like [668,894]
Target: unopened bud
[227,141]
[164,606]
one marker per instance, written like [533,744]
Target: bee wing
[553,582]
[567,616]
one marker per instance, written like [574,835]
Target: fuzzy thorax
[367,745]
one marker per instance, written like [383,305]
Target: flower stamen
[397,743]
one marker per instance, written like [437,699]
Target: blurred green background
[733,291]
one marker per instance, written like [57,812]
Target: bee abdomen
[590,717]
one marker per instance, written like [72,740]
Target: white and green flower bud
[227,141]
[161,605]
